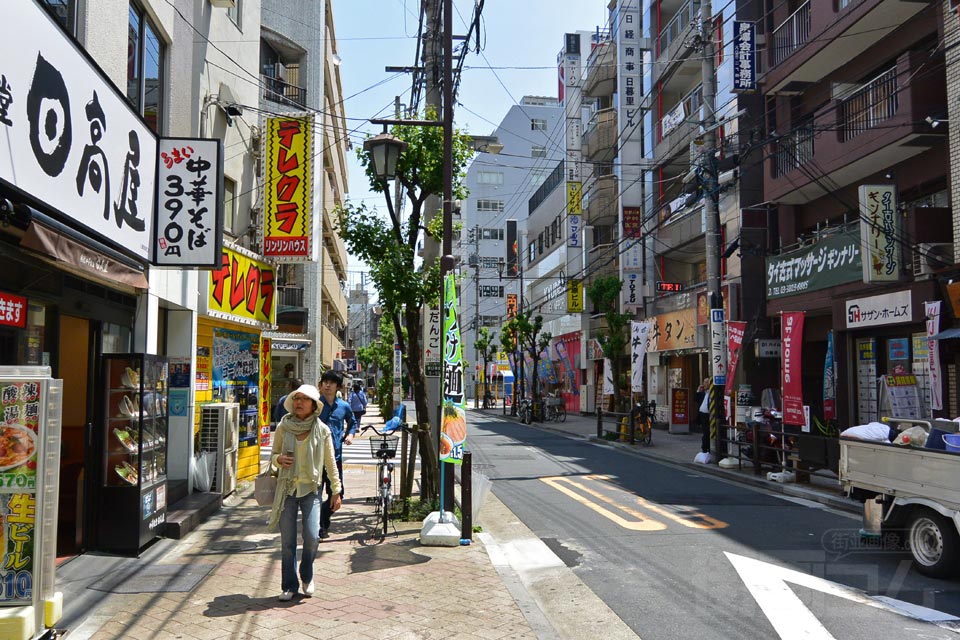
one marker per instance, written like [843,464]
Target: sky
[520,40]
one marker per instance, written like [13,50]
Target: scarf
[294,426]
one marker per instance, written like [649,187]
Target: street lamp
[384,151]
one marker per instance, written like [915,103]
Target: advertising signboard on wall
[288,188]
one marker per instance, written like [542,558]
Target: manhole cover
[156,578]
[233,545]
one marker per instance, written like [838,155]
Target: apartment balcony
[600,74]
[867,130]
[292,316]
[676,63]
[600,136]
[602,199]
[277,90]
[681,228]
[823,35]
[679,126]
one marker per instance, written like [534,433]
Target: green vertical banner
[453,430]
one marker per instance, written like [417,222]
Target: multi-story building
[856,164]
[299,72]
[500,187]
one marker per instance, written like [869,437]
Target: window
[491,234]
[537,176]
[531,252]
[66,13]
[540,243]
[490,177]
[491,291]
[234,14]
[484,204]
[491,321]
[145,53]
[538,124]
[538,151]
[229,204]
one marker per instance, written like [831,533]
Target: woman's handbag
[265,489]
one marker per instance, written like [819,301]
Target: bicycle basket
[384,446]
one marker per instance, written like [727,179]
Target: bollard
[633,427]
[756,449]
[599,423]
[448,482]
[466,498]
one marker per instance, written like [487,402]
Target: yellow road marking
[640,524]
[688,516]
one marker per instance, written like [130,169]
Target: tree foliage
[526,334]
[604,293]
[389,245]
[486,348]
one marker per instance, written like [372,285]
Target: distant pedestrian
[279,410]
[703,417]
[358,401]
[303,452]
[337,415]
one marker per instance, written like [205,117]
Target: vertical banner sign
[432,342]
[453,429]
[829,382]
[561,348]
[288,188]
[511,305]
[632,222]
[879,233]
[638,351]
[188,227]
[549,371]
[574,214]
[574,295]
[513,249]
[791,336]
[932,311]
[744,48]
[608,388]
[735,331]
[718,347]
[266,389]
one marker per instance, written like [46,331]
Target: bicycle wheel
[561,414]
[647,431]
[385,515]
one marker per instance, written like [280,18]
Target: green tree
[604,293]
[378,359]
[531,339]
[389,245]
[487,349]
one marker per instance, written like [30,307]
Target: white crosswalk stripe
[358,453]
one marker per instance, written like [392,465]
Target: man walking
[337,415]
[358,401]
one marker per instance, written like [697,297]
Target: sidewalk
[680,449]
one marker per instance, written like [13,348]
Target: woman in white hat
[302,449]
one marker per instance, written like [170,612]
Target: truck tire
[933,542]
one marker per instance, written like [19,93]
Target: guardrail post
[633,427]
[599,423]
[755,431]
[448,482]
[466,498]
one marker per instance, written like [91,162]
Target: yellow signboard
[242,289]
[287,190]
[573,198]
[574,296]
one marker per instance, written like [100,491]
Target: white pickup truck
[918,490]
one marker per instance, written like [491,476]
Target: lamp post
[521,383]
[384,151]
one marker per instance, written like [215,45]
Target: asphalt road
[677,554]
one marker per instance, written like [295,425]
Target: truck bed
[904,472]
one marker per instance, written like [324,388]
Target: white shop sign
[889,308]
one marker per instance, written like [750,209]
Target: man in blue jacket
[337,415]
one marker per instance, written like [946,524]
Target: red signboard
[632,222]
[680,406]
[735,331]
[791,334]
[13,310]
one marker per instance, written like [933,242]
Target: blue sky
[373,34]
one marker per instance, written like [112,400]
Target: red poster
[680,406]
[632,222]
[791,334]
[735,332]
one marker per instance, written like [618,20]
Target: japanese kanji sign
[453,428]
[932,310]
[68,136]
[13,310]
[638,351]
[888,308]
[831,261]
[676,330]
[718,347]
[632,222]
[744,56]
[880,233]
[574,295]
[242,289]
[288,189]
[189,220]
[432,343]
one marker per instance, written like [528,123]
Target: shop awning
[946,334]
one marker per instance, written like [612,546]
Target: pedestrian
[337,415]
[303,452]
[358,401]
[703,417]
[279,410]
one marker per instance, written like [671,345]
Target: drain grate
[157,578]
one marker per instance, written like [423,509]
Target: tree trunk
[429,484]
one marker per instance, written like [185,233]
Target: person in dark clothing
[337,415]
[703,414]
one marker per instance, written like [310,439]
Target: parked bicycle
[488,401]
[556,410]
[643,414]
[525,410]
[383,447]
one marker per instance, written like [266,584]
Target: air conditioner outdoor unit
[220,434]
[930,257]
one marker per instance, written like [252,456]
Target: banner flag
[829,382]
[735,331]
[638,351]
[791,336]
[932,311]
[453,429]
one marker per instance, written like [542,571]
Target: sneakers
[324,534]
[287,595]
[308,589]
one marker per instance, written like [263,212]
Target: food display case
[133,445]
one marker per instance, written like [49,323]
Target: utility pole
[708,170]
[476,313]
